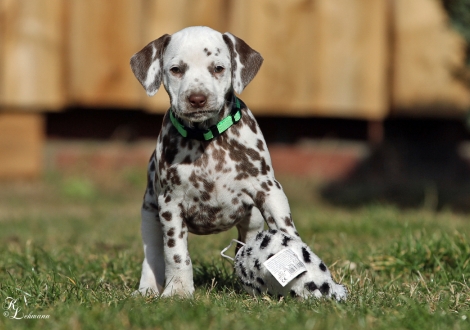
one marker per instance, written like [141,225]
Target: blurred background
[368,97]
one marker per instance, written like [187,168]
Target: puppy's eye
[175,70]
[219,69]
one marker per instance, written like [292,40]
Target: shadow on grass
[218,277]
[408,174]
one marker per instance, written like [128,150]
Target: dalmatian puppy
[211,169]
[314,279]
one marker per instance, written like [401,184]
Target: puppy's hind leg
[248,228]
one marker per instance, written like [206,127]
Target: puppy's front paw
[145,292]
[177,287]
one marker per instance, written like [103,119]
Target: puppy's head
[199,68]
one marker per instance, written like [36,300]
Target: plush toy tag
[285,266]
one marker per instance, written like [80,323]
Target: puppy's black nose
[197,100]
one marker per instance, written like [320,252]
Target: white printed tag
[285,266]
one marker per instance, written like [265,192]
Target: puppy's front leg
[178,266]
[153,267]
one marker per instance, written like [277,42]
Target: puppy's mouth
[198,115]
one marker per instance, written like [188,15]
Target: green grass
[71,242]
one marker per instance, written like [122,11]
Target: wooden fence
[339,58]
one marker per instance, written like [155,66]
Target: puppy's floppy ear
[245,61]
[147,64]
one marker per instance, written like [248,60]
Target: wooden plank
[427,56]
[352,70]
[162,16]
[324,57]
[285,83]
[3,20]
[103,35]
[31,60]
[21,145]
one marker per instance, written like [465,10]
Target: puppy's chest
[233,160]
[208,183]
[208,176]
[206,193]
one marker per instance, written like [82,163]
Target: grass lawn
[70,250]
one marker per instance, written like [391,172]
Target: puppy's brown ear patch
[147,64]
[245,61]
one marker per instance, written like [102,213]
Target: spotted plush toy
[277,264]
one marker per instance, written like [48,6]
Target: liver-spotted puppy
[211,169]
